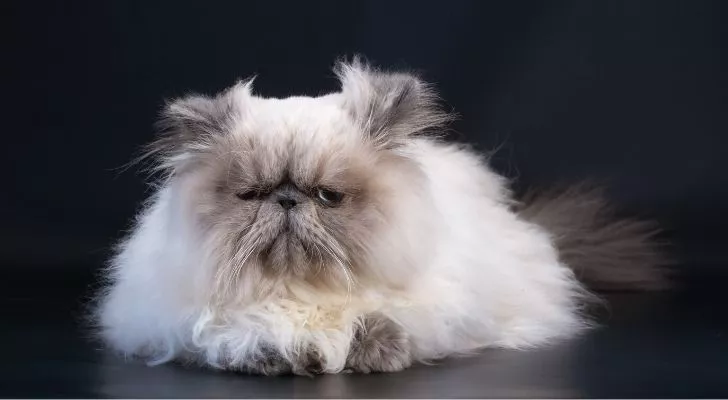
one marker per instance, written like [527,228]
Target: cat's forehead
[294,116]
[301,137]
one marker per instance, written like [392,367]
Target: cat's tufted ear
[389,106]
[189,125]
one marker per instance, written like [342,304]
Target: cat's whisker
[345,270]
[332,247]
[320,260]
[240,263]
[225,277]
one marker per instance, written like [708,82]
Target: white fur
[469,272]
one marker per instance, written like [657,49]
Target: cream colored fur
[449,261]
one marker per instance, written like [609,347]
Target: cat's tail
[606,252]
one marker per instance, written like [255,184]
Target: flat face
[292,186]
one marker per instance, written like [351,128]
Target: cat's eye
[248,195]
[328,197]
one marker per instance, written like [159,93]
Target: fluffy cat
[321,234]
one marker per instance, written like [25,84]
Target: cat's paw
[309,364]
[379,346]
[270,363]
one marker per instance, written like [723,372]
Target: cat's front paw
[309,364]
[380,345]
[269,363]
[273,364]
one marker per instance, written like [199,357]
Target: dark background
[632,93]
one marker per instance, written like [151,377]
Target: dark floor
[668,345]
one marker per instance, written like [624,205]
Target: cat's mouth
[288,253]
[292,249]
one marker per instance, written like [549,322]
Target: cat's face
[301,187]
[294,188]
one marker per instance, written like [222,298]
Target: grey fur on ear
[389,106]
[189,124]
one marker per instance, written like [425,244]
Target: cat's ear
[189,125]
[389,106]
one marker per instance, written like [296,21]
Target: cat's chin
[288,254]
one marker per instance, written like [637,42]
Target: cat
[312,235]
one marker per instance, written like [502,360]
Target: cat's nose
[287,202]
[287,195]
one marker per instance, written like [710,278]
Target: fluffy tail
[606,252]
